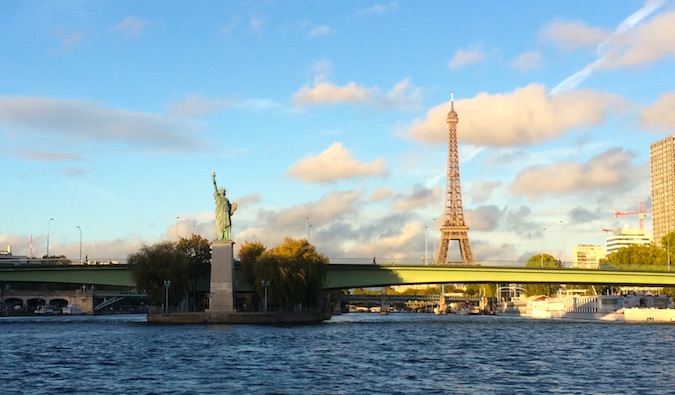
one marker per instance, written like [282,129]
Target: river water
[356,353]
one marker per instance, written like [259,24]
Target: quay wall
[238,318]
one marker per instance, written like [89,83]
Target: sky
[326,121]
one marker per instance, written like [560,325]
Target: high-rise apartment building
[662,159]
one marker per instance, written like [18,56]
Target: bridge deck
[346,276]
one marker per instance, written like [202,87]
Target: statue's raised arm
[215,185]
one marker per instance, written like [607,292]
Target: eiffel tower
[453,227]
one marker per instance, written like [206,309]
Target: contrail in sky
[605,49]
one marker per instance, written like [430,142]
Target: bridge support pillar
[221,294]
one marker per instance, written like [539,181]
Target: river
[358,353]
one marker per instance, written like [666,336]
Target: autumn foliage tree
[154,264]
[294,269]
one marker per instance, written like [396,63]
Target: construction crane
[641,214]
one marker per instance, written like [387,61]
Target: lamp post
[167,285]
[426,246]
[265,284]
[80,229]
[542,247]
[668,251]
[562,259]
[177,228]
[48,223]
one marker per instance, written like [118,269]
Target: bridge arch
[58,303]
[11,303]
[33,303]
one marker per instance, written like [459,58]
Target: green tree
[152,265]
[55,260]
[198,250]
[542,261]
[248,255]
[649,257]
[295,270]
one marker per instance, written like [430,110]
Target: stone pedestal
[221,295]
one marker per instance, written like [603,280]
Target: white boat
[45,310]
[630,307]
[72,309]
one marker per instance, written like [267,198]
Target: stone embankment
[215,317]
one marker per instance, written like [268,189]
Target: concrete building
[624,237]
[662,160]
[587,256]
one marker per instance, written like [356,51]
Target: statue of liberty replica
[224,211]
[221,292]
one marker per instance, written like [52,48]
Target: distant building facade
[662,163]
[587,256]
[624,237]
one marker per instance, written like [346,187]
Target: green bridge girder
[364,276]
[346,276]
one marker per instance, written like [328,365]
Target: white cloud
[609,170]
[419,197]
[527,61]
[131,26]
[72,40]
[230,25]
[525,116]
[464,57]
[624,47]
[196,105]
[335,163]
[661,115]
[78,122]
[316,31]
[651,42]
[402,96]
[381,194]
[378,9]
[256,24]
[573,35]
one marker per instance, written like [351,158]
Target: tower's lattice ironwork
[454,227]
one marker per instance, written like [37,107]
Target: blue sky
[326,120]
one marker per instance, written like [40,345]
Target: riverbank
[216,317]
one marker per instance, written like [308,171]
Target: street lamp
[426,245]
[167,285]
[177,228]
[668,251]
[563,241]
[80,229]
[48,223]
[265,284]
[542,247]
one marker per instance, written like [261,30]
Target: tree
[542,261]
[152,265]
[295,270]
[55,260]
[198,250]
[636,257]
[248,255]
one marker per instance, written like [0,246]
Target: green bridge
[346,276]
